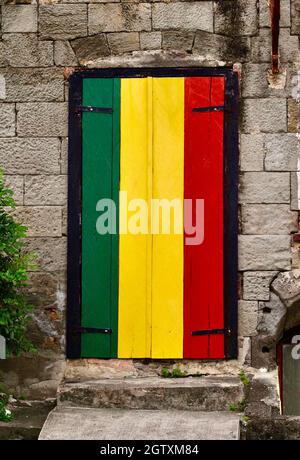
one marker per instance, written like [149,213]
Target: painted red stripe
[203,177]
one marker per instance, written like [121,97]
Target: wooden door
[150,293]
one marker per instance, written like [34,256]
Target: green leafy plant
[244,378]
[5,414]
[239,407]
[14,265]
[173,374]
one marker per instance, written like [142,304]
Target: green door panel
[100,180]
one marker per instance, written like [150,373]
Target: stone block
[257,285]
[251,152]
[62,22]
[16,184]
[285,13]
[295,195]
[178,40]
[295,16]
[64,156]
[183,15]
[63,54]
[264,115]
[150,40]
[119,17]
[19,18]
[282,152]
[7,120]
[239,17]
[45,190]
[293,116]
[123,42]
[42,119]
[30,156]
[25,50]
[271,318]
[90,48]
[221,48]
[265,187]
[264,252]
[257,81]
[248,318]
[27,85]
[51,253]
[40,220]
[262,46]
[268,219]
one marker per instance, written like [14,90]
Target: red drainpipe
[275,19]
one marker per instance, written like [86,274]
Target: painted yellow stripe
[168,180]
[135,251]
[151,267]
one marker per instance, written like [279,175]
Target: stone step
[27,422]
[208,393]
[76,423]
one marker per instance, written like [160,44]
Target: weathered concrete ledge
[106,424]
[209,393]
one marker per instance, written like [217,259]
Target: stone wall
[43,40]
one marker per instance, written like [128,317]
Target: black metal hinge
[90,109]
[212,332]
[92,330]
[214,108]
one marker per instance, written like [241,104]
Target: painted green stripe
[100,179]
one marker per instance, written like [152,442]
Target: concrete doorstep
[75,423]
[146,408]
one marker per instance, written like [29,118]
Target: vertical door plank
[167,261]
[100,177]
[135,249]
[203,264]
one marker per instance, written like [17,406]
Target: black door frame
[73,348]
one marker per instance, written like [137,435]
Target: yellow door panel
[135,252]
[151,266]
[168,183]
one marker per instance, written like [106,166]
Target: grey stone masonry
[116,17]
[295,15]
[268,219]
[262,46]
[248,318]
[40,220]
[88,48]
[45,190]
[123,42]
[150,40]
[51,253]
[42,119]
[25,50]
[238,18]
[264,115]
[33,84]
[16,183]
[7,120]
[251,152]
[285,13]
[256,285]
[183,15]
[281,152]
[43,42]
[62,21]
[264,187]
[264,252]
[19,18]
[30,156]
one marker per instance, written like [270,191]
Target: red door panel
[203,177]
